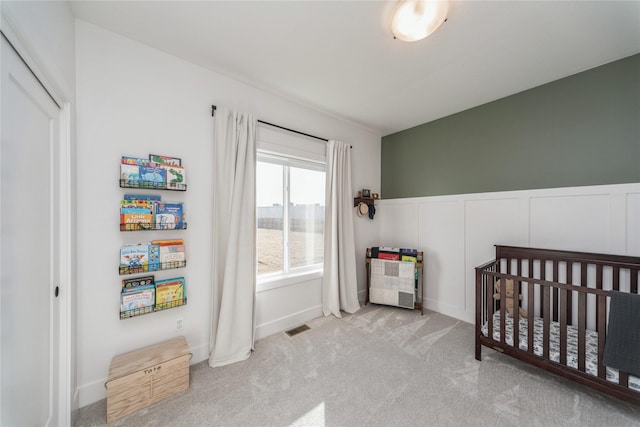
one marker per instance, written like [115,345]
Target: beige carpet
[382,366]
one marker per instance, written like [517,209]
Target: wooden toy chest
[146,376]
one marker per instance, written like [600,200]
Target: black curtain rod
[213,113]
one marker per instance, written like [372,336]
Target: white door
[29,261]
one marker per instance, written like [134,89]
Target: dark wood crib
[566,298]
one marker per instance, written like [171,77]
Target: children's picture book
[127,160]
[129,174]
[135,283]
[137,299]
[136,215]
[170,291]
[134,255]
[152,176]
[165,160]
[172,253]
[169,216]
[139,258]
[135,221]
[154,257]
[176,178]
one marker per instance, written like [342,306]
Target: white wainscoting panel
[458,232]
[578,222]
[400,224]
[438,223]
[488,221]
[633,224]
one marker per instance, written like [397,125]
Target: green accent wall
[581,130]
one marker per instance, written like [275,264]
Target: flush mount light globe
[415,19]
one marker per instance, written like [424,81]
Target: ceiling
[339,57]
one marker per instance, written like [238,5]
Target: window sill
[274,282]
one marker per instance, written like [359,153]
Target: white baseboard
[451,311]
[199,353]
[287,322]
[92,392]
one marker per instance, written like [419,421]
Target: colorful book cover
[137,204]
[172,256]
[126,160]
[129,174]
[136,221]
[137,299]
[408,258]
[152,176]
[168,242]
[134,256]
[176,177]
[169,216]
[170,291]
[154,257]
[137,282]
[136,215]
[388,256]
[165,160]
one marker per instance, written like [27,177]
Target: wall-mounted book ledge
[152,308]
[154,256]
[146,268]
[144,295]
[148,226]
[154,185]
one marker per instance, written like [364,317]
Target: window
[290,215]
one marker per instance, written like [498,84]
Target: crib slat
[563,326]
[634,281]
[503,309]
[598,306]
[616,278]
[488,300]
[530,313]
[601,327]
[545,323]
[555,291]
[516,305]
[582,329]
[570,300]
[543,276]
[623,379]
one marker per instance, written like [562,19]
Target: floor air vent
[296,331]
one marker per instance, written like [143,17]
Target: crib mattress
[591,352]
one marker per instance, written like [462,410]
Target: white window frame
[289,150]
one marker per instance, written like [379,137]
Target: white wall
[134,100]
[44,30]
[457,232]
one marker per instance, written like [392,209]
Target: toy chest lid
[124,364]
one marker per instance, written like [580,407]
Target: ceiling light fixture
[415,19]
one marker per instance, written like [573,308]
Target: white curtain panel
[339,282]
[234,241]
